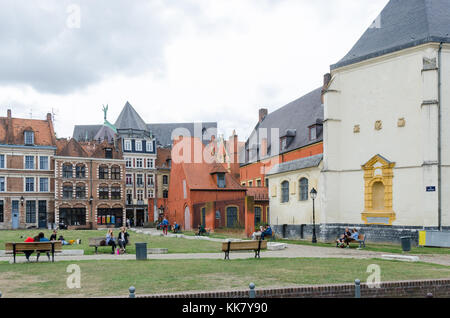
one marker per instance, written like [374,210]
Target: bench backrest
[243,246]
[361,237]
[34,246]
[95,241]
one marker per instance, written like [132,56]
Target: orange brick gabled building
[203,191]
[27,147]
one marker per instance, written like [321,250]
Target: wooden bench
[39,247]
[96,242]
[361,240]
[255,246]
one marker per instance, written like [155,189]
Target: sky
[173,60]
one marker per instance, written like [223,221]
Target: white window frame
[25,162]
[141,161]
[136,143]
[127,145]
[48,185]
[149,145]
[48,163]
[150,177]
[25,184]
[4,184]
[130,161]
[151,194]
[27,134]
[4,161]
[150,163]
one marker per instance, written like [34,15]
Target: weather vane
[105,110]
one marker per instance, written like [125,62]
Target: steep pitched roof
[12,131]
[296,116]
[129,118]
[402,24]
[85,132]
[71,149]
[163,132]
[198,177]
[105,133]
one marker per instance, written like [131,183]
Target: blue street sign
[431,189]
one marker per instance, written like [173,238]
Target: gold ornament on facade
[378,125]
[356,129]
[401,122]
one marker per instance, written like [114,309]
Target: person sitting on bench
[176,227]
[41,238]
[267,232]
[110,240]
[123,239]
[201,230]
[28,253]
[257,235]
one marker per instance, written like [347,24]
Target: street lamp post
[313,197]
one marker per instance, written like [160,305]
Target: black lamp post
[22,200]
[313,197]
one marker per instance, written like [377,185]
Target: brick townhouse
[27,147]
[90,183]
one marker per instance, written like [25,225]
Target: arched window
[285,192]
[115,193]
[67,191]
[304,188]
[103,192]
[103,172]
[165,194]
[165,180]
[67,170]
[81,191]
[80,171]
[29,137]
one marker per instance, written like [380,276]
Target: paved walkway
[292,251]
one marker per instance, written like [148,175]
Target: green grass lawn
[376,247]
[175,245]
[103,278]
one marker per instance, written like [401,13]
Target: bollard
[252,292]
[357,288]
[132,291]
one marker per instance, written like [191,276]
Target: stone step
[157,251]
[276,246]
[404,258]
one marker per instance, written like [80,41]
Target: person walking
[165,224]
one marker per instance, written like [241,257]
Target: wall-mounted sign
[431,189]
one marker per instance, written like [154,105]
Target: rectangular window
[150,163]
[2,184]
[29,138]
[31,212]
[43,185]
[150,181]
[29,162]
[43,163]
[139,163]
[138,145]
[29,184]
[129,179]
[104,193]
[313,133]
[80,192]
[258,183]
[128,162]
[221,180]
[127,145]
[140,195]
[149,146]
[115,173]
[67,192]
[165,180]
[139,180]
[115,193]
[2,161]
[2,209]
[151,194]
[103,172]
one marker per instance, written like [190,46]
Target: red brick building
[90,184]
[27,147]
[202,191]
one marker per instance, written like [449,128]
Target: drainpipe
[440,138]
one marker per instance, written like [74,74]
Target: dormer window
[29,138]
[108,153]
[149,145]
[315,131]
[287,138]
[127,145]
[221,180]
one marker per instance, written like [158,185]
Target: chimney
[234,155]
[9,113]
[326,81]
[262,114]
[49,117]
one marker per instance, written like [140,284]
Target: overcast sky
[173,60]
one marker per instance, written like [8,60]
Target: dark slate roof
[296,117]
[85,132]
[402,24]
[298,164]
[163,132]
[130,119]
[105,133]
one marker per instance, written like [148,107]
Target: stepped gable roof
[402,24]
[130,119]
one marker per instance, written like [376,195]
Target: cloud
[43,49]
